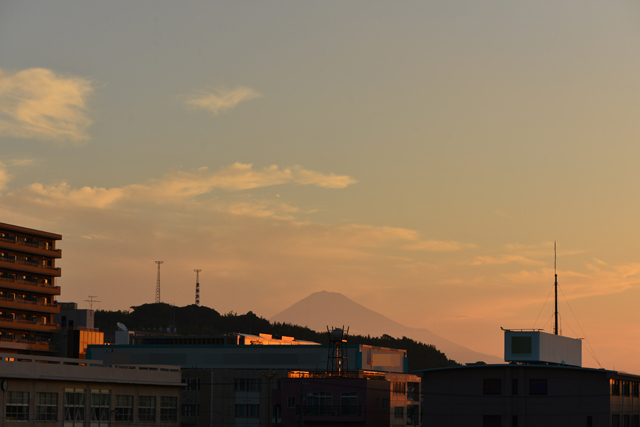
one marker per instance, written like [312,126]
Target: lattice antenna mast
[555,256]
[197,286]
[158,283]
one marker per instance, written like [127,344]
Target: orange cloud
[505,259]
[220,100]
[37,103]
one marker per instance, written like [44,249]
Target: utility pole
[197,286]
[158,283]
[555,256]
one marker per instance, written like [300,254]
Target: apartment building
[27,289]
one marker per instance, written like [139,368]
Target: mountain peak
[324,309]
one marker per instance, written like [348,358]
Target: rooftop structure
[27,289]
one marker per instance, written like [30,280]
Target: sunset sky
[420,157]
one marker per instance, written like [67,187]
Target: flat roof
[29,231]
[529,366]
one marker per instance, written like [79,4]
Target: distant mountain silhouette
[322,309]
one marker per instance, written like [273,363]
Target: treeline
[198,320]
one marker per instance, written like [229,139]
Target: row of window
[75,405]
[618,420]
[247,384]
[493,386]
[625,388]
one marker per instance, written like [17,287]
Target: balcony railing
[28,263]
[32,305]
[37,323]
[35,244]
[32,344]
[32,286]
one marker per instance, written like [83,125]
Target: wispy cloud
[37,103]
[505,259]
[178,186]
[221,100]
[439,246]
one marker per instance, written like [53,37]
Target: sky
[420,157]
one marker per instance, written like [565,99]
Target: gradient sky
[419,157]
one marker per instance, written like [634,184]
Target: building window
[193,384]
[349,403]
[124,409]
[615,387]
[615,420]
[626,388]
[74,400]
[100,406]
[521,345]
[537,387]
[190,410]
[169,409]
[589,421]
[247,411]
[46,406]
[491,421]
[247,384]
[626,420]
[636,421]
[147,409]
[492,386]
[17,406]
[400,388]
[291,402]
[635,390]
[319,403]
[514,421]
[398,412]
[385,403]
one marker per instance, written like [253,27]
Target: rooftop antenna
[197,286]
[555,256]
[91,301]
[158,283]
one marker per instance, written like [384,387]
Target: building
[234,382]
[27,289]
[76,331]
[362,398]
[524,395]
[55,392]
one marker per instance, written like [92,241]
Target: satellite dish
[122,327]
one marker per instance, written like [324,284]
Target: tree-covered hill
[198,320]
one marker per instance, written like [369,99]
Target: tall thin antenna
[555,257]
[91,301]
[158,283]
[197,286]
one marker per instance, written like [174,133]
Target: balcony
[16,344]
[20,304]
[31,325]
[29,267]
[40,288]
[38,248]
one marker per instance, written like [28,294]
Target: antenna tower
[555,256]
[158,283]
[91,301]
[337,362]
[197,286]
